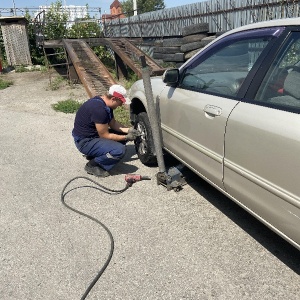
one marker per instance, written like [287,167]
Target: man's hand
[132,134]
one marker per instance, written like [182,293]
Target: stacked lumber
[180,49]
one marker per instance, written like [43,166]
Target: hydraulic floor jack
[171,178]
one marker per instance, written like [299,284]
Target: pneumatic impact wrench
[133,178]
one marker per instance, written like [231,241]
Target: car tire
[144,144]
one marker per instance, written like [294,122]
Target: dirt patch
[29,88]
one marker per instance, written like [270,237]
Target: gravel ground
[194,244]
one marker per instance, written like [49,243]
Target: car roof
[258,25]
[265,24]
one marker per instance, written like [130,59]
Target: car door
[262,145]
[194,113]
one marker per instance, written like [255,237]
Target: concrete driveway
[194,244]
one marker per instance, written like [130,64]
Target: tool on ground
[133,178]
[130,180]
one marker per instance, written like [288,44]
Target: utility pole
[134,8]
[14,8]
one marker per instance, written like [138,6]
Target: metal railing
[41,22]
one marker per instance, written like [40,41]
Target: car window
[280,87]
[223,71]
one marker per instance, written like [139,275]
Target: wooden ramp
[91,71]
[127,54]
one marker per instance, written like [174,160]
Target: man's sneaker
[88,157]
[95,170]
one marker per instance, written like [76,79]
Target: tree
[143,6]
[36,53]
[85,27]
[56,25]
[56,21]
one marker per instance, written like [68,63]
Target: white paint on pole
[134,8]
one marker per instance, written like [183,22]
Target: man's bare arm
[103,131]
[117,126]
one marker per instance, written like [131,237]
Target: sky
[103,4]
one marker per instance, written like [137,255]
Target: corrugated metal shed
[15,37]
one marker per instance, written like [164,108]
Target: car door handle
[212,111]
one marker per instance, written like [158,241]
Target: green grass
[4,84]
[130,81]
[121,114]
[56,83]
[22,69]
[69,106]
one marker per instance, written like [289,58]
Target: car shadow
[130,154]
[280,248]
[123,168]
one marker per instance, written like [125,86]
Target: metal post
[15,13]
[153,116]
[134,8]
[172,178]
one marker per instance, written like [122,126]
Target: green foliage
[56,26]
[143,6]
[69,106]
[121,114]
[36,53]
[56,83]
[21,69]
[84,28]
[56,22]
[2,49]
[132,78]
[4,84]
[105,56]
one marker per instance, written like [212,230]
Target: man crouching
[98,135]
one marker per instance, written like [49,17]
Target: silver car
[231,115]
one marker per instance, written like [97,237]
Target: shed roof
[13,19]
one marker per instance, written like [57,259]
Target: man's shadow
[124,166]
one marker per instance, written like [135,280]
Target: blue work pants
[106,153]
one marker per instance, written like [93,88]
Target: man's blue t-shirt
[93,111]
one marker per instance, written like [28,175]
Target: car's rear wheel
[144,144]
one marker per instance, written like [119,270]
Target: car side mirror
[171,76]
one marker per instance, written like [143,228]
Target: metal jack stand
[173,178]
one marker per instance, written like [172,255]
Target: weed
[4,84]
[131,80]
[121,114]
[22,68]
[56,83]
[69,106]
